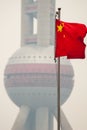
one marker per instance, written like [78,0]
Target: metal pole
[58,82]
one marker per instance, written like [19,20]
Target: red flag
[69,39]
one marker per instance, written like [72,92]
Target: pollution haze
[75,108]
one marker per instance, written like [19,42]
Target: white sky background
[76,106]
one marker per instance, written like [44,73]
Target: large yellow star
[60,28]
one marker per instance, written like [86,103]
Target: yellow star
[64,36]
[60,28]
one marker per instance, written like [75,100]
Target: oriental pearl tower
[30,75]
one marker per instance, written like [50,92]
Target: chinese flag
[69,40]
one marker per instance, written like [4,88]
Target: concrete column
[26,22]
[55,113]
[42,119]
[21,118]
[50,121]
[65,125]
[31,121]
[52,22]
[43,17]
[46,22]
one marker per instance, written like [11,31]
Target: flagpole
[58,82]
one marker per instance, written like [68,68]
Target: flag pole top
[58,13]
[59,8]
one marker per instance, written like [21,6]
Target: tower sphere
[31,77]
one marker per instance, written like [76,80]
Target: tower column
[21,118]
[27,21]
[43,16]
[50,121]
[42,119]
[31,121]
[65,125]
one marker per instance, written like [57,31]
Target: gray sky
[76,106]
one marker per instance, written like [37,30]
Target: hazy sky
[76,106]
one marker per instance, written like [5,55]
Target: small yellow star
[60,28]
[64,36]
